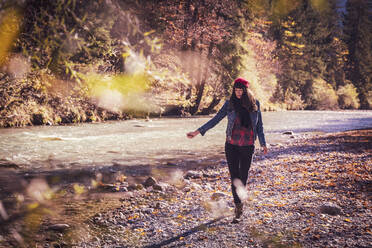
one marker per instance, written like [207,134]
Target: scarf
[245,118]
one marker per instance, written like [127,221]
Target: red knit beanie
[241,82]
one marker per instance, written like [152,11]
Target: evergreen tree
[358,37]
[335,50]
[309,49]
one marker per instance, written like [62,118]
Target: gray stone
[123,189]
[139,186]
[148,210]
[187,189]
[157,187]
[161,186]
[288,133]
[210,175]
[150,181]
[132,187]
[217,195]
[195,186]
[330,209]
[59,227]
[193,174]
[160,205]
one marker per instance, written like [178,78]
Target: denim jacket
[231,115]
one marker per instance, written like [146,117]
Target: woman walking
[243,127]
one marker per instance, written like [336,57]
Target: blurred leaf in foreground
[9,29]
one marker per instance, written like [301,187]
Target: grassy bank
[42,100]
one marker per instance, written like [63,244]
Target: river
[151,142]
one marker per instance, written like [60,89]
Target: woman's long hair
[244,105]
[247,100]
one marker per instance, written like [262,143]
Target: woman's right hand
[191,135]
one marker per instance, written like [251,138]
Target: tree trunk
[200,90]
[207,110]
[203,78]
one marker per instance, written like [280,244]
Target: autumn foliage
[188,53]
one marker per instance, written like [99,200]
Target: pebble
[58,227]
[193,174]
[157,187]
[330,209]
[150,181]
[195,186]
[218,195]
[288,133]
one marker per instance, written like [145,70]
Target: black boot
[238,212]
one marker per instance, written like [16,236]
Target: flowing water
[149,142]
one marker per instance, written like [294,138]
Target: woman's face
[238,93]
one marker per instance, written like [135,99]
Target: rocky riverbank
[311,192]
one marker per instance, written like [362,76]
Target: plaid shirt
[241,136]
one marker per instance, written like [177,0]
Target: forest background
[70,61]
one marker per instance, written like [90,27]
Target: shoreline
[155,117]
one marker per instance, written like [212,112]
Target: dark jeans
[239,160]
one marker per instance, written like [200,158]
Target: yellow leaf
[79,189]
[33,205]
[267,205]
[180,217]
[288,33]
[94,183]
[269,215]
[122,178]
[9,29]
[348,220]
[148,33]
[125,55]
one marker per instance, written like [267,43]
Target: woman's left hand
[265,150]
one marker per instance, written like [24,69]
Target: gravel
[312,192]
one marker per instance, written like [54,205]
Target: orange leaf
[268,215]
